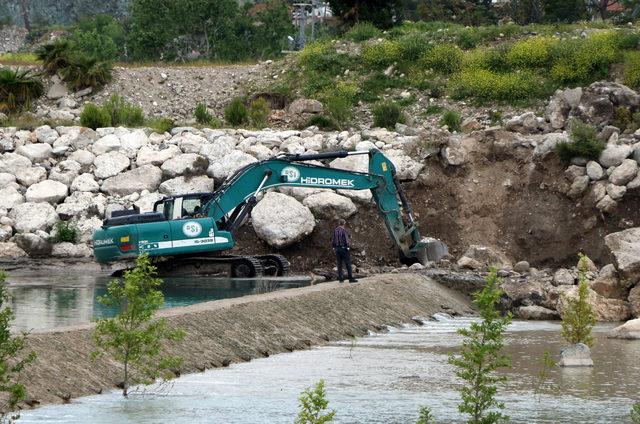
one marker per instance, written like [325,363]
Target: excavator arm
[233,202]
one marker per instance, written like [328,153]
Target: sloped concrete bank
[235,330]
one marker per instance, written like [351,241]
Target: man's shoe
[340,281]
[353,280]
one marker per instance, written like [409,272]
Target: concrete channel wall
[235,330]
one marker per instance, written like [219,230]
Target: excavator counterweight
[198,228]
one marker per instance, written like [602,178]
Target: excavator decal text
[328,181]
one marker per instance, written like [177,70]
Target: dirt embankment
[500,197]
[236,330]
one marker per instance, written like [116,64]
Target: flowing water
[48,300]
[382,378]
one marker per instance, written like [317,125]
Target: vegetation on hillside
[578,318]
[314,406]
[18,89]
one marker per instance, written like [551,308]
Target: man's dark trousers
[343,257]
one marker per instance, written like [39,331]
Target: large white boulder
[47,191]
[361,196]
[82,203]
[189,142]
[407,168]
[146,202]
[36,152]
[132,141]
[30,175]
[11,250]
[33,244]
[146,177]
[215,151]
[330,205]
[614,154]
[185,184]
[30,217]
[65,171]
[281,220]
[624,173]
[106,144]
[12,162]
[630,330]
[46,134]
[185,164]
[356,163]
[110,164]
[86,227]
[84,157]
[85,182]
[226,166]
[10,197]
[625,248]
[70,250]
[156,155]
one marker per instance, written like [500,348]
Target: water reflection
[44,301]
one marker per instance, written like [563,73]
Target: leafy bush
[387,114]
[382,54]
[94,117]
[86,71]
[483,343]
[161,125]
[202,114]
[362,31]
[314,406]
[122,112]
[583,61]
[322,122]
[371,87]
[584,143]
[338,108]
[413,46]
[578,318]
[533,52]
[632,69]
[634,415]
[433,109]
[259,112]
[18,89]
[54,56]
[452,120]
[486,85]
[425,416]
[443,58]
[98,37]
[236,112]
[65,232]
[322,57]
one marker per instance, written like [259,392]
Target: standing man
[341,245]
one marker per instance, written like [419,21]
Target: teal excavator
[193,231]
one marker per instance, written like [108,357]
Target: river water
[45,300]
[382,378]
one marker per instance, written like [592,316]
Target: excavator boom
[205,223]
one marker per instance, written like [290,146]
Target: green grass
[387,114]
[452,120]
[18,89]
[584,143]
[18,58]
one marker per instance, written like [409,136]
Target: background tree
[564,10]
[381,13]
[467,12]
[578,317]
[133,337]
[314,406]
[24,11]
[527,11]
[481,355]
[13,360]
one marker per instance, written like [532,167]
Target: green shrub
[86,71]
[236,112]
[202,114]
[322,122]
[362,31]
[122,112]
[443,58]
[485,85]
[314,406]
[632,69]
[338,108]
[377,83]
[578,317]
[413,46]
[18,89]
[387,114]
[54,56]
[634,415]
[495,117]
[99,36]
[425,416]
[469,38]
[584,143]
[622,118]
[381,55]
[583,61]
[321,57]
[161,125]
[94,117]
[65,232]
[259,112]
[533,52]
[433,109]
[452,120]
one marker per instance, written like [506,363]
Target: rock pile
[79,175]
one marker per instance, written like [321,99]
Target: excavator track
[231,265]
[274,265]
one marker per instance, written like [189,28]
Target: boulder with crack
[30,217]
[281,220]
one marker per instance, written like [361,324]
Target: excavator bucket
[428,250]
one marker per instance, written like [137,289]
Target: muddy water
[48,300]
[382,379]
